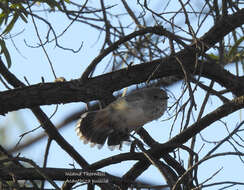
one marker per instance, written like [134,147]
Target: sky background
[32,64]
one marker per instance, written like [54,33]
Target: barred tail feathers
[95,127]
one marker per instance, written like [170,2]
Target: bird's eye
[155,97]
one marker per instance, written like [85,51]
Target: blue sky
[33,65]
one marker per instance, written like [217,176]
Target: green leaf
[2,137]
[23,17]
[11,24]
[22,10]
[238,56]
[233,49]
[2,17]
[5,51]
[52,4]
[213,56]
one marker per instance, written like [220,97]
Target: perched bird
[115,122]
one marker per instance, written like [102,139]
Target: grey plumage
[115,122]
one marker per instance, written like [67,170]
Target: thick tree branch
[154,30]
[45,121]
[69,175]
[47,124]
[161,149]
[31,141]
[101,87]
[213,36]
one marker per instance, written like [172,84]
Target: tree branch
[101,87]
[68,175]
[161,149]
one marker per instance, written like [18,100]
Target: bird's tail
[95,127]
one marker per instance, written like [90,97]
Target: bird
[117,120]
